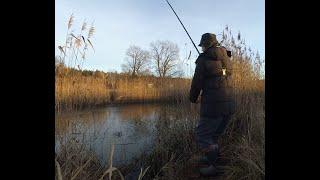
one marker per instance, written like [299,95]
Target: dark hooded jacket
[217,93]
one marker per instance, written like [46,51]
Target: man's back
[217,95]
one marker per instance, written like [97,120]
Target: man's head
[208,40]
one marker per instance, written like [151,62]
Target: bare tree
[165,55]
[136,62]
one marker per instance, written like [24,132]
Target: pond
[131,128]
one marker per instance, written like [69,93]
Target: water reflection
[130,127]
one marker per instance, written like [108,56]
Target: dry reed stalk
[80,169]
[142,173]
[58,170]
[111,168]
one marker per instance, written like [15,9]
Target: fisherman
[212,76]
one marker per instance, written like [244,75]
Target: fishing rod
[183,26]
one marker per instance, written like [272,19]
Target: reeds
[81,164]
[73,51]
[81,89]
[244,140]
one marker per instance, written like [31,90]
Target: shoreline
[115,104]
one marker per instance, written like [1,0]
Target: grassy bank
[78,89]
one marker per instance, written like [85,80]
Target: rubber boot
[210,170]
[212,156]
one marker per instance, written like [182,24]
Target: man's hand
[198,100]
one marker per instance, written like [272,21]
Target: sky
[122,23]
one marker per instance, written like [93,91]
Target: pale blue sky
[122,23]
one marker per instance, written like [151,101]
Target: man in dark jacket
[212,76]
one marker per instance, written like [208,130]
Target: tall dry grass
[84,89]
[76,46]
[75,162]
[244,140]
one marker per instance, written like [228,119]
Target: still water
[131,128]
